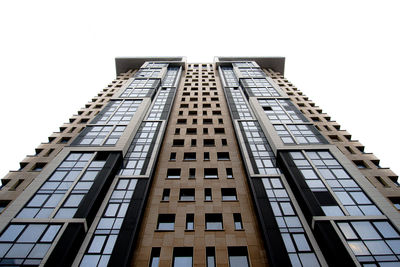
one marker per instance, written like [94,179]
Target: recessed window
[177,130]
[38,166]
[204,112]
[228,194]
[3,204]
[192,112]
[180,112]
[223,156]
[229,173]
[220,121]
[206,155]
[189,222]
[191,131]
[237,219]
[194,121]
[224,142]
[216,112]
[207,194]
[189,156]
[205,130]
[206,105]
[214,221]
[209,142]
[155,257]
[183,257]
[64,140]
[192,173]
[187,194]
[193,142]
[184,105]
[166,222]
[211,173]
[172,156]
[238,257]
[360,164]
[181,121]
[207,121]
[165,195]
[219,130]
[178,142]
[396,202]
[174,173]
[210,256]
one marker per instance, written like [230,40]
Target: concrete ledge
[124,64]
[275,63]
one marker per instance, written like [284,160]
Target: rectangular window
[189,222]
[189,156]
[191,131]
[238,257]
[228,194]
[193,142]
[207,194]
[183,257]
[181,121]
[155,257]
[219,130]
[192,173]
[206,155]
[166,222]
[186,194]
[209,142]
[178,142]
[237,219]
[210,256]
[165,195]
[223,156]
[224,142]
[174,173]
[172,156]
[211,173]
[214,221]
[229,173]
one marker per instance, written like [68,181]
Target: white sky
[55,56]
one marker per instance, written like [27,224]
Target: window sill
[186,200]
[157,230]
[214,230]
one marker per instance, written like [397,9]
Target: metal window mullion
[326,184]
[290,133]
[66,195]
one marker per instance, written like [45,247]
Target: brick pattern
[199,97]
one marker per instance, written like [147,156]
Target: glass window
[166,222]
[214,221]
[210,256]
[183,257]
[238,257]
[155,257]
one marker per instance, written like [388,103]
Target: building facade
[210,164]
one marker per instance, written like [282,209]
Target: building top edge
[275,63]
[124,64]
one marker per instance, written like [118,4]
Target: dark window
[238,257]
[237,219]
[194,121]
[38,166]
[220,121]
[165,195]
[193,142]
[192,173]
[189,222]
[208,142]
[184,105]
[181,121]
[219,130]
[206,105]
[229,173]
[216,112]
[211,173]
[228,194]
[204,112]
[187,194]
[3,204]
[214,221]
[207,194]
[183,257]
[178,142]
[223,156]
[210,256]
[180,112]
[155,257]
[224,142]
[172,156]
[206,155]
[177,130]
[189,156]
[166,222]
[205,130]
[207,121]
[360,164]
[192,112]
[191,131]
[174,173]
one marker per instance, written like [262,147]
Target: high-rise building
[210,164]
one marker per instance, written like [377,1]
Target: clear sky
[55,56]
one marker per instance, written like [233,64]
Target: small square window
[166,222]
[223,156]
[194,121]
[224,142]
[187,194]
[193,142]
[205,130]
[214,221]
